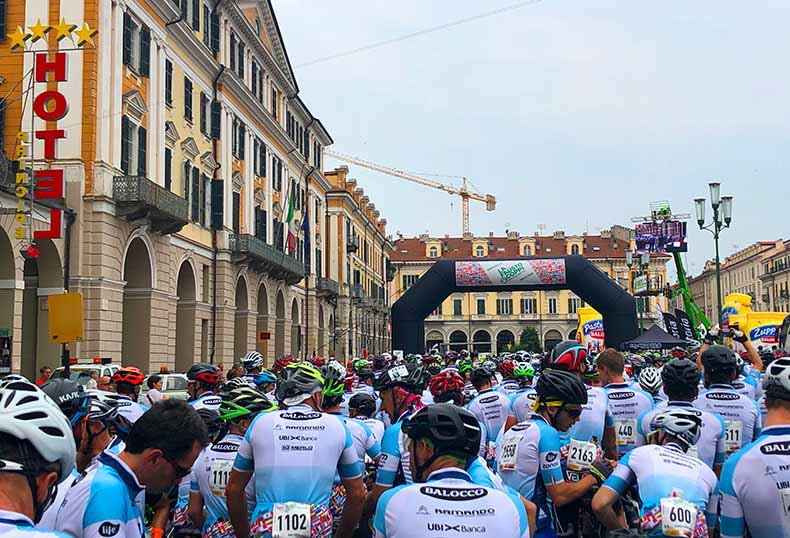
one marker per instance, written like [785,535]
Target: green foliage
[529,340]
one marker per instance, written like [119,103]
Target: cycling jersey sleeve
[609,419]
[721,443]
[348,466]
[711,511]
[390,457]
[622,476]
[106,510]
[758,421]
[731,517]
[549,455]
[379,519]
[641,435]
[372,446]
[244,460]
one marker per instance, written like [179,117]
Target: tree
[529,340]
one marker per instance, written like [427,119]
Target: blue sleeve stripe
[349,470]
[374,451]
[385,478]
[617,484]
[242,464]
[732,526]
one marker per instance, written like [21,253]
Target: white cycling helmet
[650,379]
[29,414]
[684,424]
[776,382]
[103,406]
[252,360]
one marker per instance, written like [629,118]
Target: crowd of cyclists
[570,443]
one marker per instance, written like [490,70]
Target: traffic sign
[65,318]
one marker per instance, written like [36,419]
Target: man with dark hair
[45,372]
[109,500]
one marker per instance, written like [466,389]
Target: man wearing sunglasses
[528,455]
[109,501]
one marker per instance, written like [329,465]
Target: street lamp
[722,217]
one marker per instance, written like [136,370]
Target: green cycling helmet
[334,378]
[523,369]
[359,364]
[241,402]
[465,365]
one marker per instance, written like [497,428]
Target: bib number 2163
[291,520]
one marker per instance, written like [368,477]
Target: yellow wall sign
[65,318]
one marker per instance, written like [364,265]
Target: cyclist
[521,400]
[755,482]
[681,378]
[650,382]
[489,406]
[255,374]
[746,383]
[528,454]
[441,439]
[210,474]
[362,406]
[509,383]
[741,414]
[679,493]
[108,500]
[284,447]
[37,452]
[626,402]
[202,381]
[127,382]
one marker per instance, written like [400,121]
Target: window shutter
[142,151]
[187,99]
[217,203]
[215,120]
[196,15]
[145,51]
[168,169]
[126,144]
[215,31]
[168,82]
[262,159]
[195,194]
[185,180]
[233,52]
[206,24]
[127,39]
[2,114]
[254,81]
[241,60]
[242,139]
[203,113]
[202,208]
[236,212]
[3,18]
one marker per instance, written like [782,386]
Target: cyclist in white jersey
[37,451]
[650,381]
[521,399]
[442,438]
[212,468]
[509,383]
[755,482]
[284,447]
[679,492]
[489,406]
[626,402]
[202,381]
[362,407]
[741,414]
[127,382]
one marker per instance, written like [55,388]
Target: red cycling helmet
[446,381]
[351,379]
[282,362]
[128,374]
[317,361]
[507,368]
[569,354]
[203,373]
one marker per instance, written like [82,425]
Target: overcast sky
[575,114]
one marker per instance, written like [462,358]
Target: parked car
[173,386]
[81,371]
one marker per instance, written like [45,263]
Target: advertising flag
[684,325]
[671,324]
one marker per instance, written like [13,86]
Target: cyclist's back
[741,414]
[491,408]
[129,409]
[521,402]
[626,404]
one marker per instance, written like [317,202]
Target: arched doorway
[262,324]
[320,347]
[481,341]
[433,338]
[7,280]
[504,341]
[458,341]
[572,335]
[296,328]
[551,339]
[185,318]
[136,337]
[42,277]
[279,325]
[240,319]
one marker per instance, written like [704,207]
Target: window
[240,63]
[134,144]
[204,113]
[575,250]
[195,14]
[195,196]
[480,251]
[433,252]
[573,304]
[409,281]
[527,250]
[233,52]
[168,83]
[529,305]
[504,307]
[206,25]
[236,212]
[136,46]
[254,79]
[187,99]
[168,169]
[274,103]
[260,224]
[239,138]
[481,306]
[457,307]
[552,305]
[317,155]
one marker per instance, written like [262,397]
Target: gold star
[85,35]
[38,31]
[18,38]
[63,29]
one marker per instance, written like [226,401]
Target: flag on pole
[289,222]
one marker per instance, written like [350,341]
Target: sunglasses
[181,472]
[573,413]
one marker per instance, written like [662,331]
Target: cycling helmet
[718,358]
[361,364]
[103,406]
[446,385]
[453,431]
[242,402]
[680,374]
[590,368]
[776,382]
[334,379]
[379,363]
[128,374]
[236,382]
[211,419]
[206,374]
[464,365]
[264,376]
[681,423]
[252,360]
[678,352]
[296,380]
[523,369]
[561,386]
[506,368]
[282,362]
[69,396]
[569,355]
[363,403]
[650,379]
[27,413]
[410,376]
[489,365]
[351,380]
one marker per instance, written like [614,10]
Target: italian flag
[290,223]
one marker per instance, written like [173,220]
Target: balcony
[481,317]
[138,198]
[263,257]
[352,244]
[357,292]
[528,316]
[326,287]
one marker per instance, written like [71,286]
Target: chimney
[559,235]
[490,234]
[447,236]
[423,237]
[512,235]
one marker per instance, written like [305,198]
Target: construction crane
[463,191]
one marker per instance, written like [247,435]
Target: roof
[594,246]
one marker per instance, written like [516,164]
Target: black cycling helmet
[562,386]
[452,430]
[211,420]
[206,374]
[718,358]
[69,396]
[480,375]
[363,403]
[298,378]
[410,376]
[243,402]
[680,374]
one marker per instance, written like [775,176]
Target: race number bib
[733,435]
[218,476]
[580,455]
[678,517]
[291,520]
[625,430]
[509,457]
[785,495]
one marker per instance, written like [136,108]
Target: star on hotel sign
[80,38]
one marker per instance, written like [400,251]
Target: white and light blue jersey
[393,466]
[375,425]
[755,488]
[594,419]
[363,439]
[107,501]
[711,447]
[491,409]
[521,402]
[13,524]
[129,409]
[207,400]
[741,414]
[508,387]
[659,471]
[449,504]
[626,403]
[281,448]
